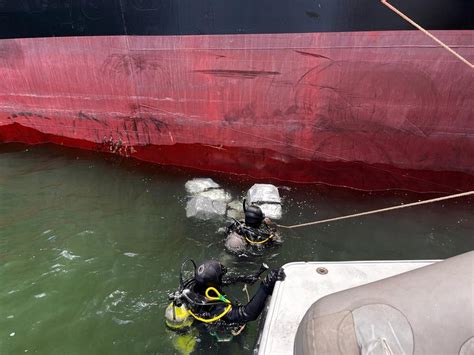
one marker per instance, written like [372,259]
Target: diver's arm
[232,279]
[251,311]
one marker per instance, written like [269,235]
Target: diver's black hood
[253,216]
[209,274]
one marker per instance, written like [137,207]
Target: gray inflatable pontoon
[406,307]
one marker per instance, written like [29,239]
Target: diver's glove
[272,225]
[273,276]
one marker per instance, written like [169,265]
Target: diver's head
[254,216]
[209,274]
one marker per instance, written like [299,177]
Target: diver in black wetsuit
[210,274]
[205,301]
[255,232]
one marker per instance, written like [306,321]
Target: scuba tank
[177,315]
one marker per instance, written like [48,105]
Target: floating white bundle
[205,208]
[267,197]
[207,199]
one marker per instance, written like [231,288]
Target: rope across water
[445,46]
[380,210]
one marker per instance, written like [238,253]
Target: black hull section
[54,18]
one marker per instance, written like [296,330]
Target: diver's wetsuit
[264,232]
[237,314]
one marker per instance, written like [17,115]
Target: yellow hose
[218,297]
[260,242]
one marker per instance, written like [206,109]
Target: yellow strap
[260,242]
[218,297]
[210,320]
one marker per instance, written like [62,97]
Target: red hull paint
[369,110]
[242,160]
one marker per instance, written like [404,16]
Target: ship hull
[369,110]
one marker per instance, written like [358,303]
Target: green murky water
[91,246]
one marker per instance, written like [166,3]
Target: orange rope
[380,210]
[406,18]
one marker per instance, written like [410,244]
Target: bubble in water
[130,255]
[70,256]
